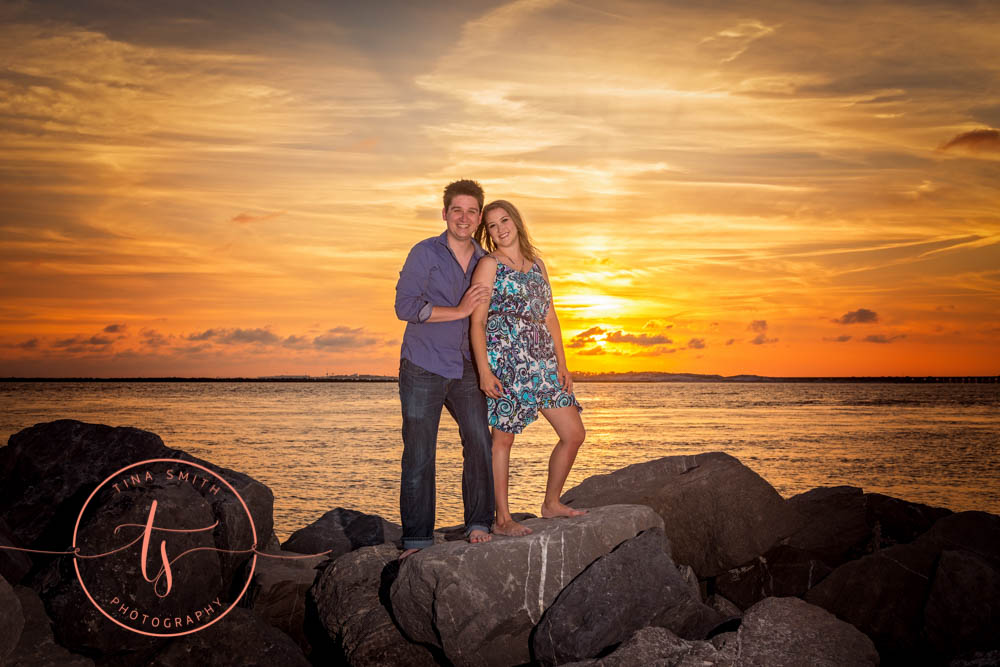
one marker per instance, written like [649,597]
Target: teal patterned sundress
[520,350]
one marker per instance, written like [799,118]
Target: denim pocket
[410,368]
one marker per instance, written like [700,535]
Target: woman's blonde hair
[529,251]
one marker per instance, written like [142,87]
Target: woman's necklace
[510,261]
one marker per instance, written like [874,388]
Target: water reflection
[323,445]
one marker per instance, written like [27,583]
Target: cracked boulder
[350,597]
[478,603]
[717,513]
[633,586]
[781,572]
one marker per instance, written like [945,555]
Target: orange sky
[781,188]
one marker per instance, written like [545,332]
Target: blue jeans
[422,395]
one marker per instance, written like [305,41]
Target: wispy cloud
[976,141]
[880,338]
[344,337]
[760,327]
[584,338]
[244,218]
[643,340]
[152,338]
[859,316]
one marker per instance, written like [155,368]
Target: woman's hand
[490,385]
[565,379]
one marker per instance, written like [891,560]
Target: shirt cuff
[425,312]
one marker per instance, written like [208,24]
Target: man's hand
[476,294]
[490,385]
[565,379]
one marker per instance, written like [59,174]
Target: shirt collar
[477,250]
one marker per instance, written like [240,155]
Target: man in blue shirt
[436,370]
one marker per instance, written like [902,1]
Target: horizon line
[583,376]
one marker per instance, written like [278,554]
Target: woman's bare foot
[510,528]
[479,536]
[407,554]
[560,510]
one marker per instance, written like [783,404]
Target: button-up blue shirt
[432,276]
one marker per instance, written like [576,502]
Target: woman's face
[501,228]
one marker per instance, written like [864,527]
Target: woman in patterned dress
[518,348]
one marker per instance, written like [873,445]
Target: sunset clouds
[260,173]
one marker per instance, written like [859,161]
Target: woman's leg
[569,427]
[505,524]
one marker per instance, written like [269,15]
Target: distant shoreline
[633,377]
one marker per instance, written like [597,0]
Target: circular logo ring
[76,561]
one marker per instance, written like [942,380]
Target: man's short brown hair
[463,187]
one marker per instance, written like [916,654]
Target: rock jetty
[679,561]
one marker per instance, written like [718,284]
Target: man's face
[462,216]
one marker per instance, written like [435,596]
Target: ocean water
[324,445]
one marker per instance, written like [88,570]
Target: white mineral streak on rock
[527,585]
[543,542]
[562,560]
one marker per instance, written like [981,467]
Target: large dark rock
[977,532]
[350,599]
[787,632]
[896,598]
[717,512]
[14,564]
[11,619]
[392,533]
[633,586]
[655,646]
[883,595]
[48,474]
[963,610]
[479,602]
[338,531]
[781,572]
[278,592]
[895,521]
[842,523]
[48,471]
[833,523]
[238,639]
[37,647]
